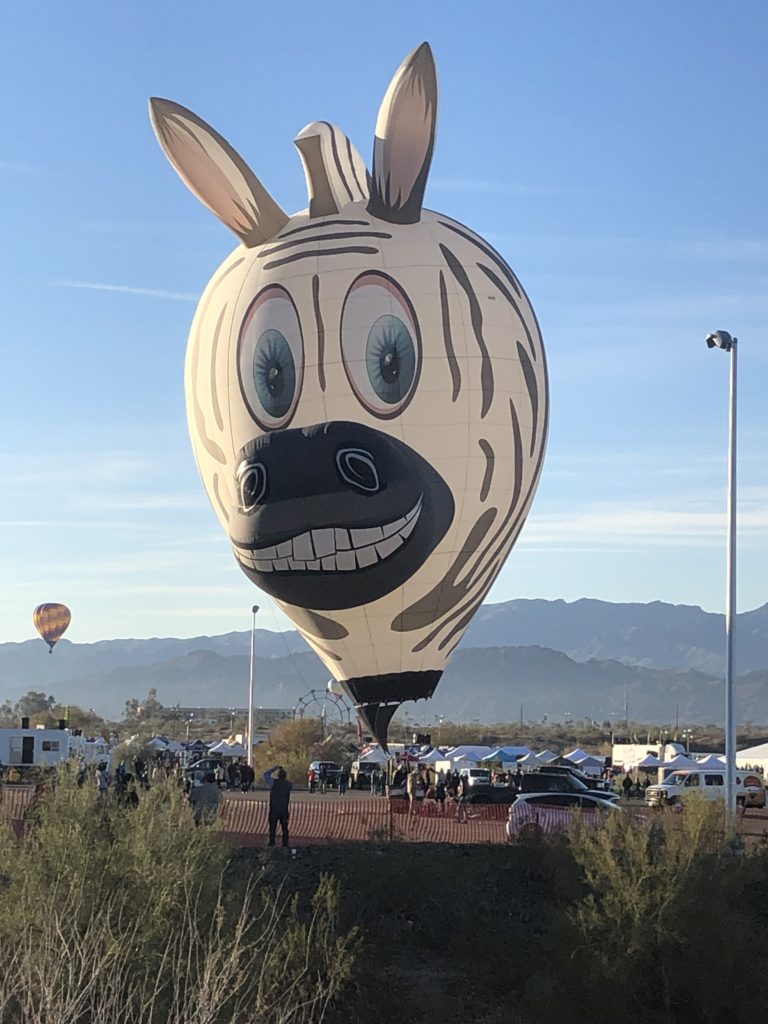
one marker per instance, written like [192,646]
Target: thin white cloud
[152,293]
[607,525]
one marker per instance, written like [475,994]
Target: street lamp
[250,687]
[724,341]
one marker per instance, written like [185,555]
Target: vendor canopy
[649,761]
[712,761]
[680,761]
[222,747]
[546,756]
[374,754]
[504,754]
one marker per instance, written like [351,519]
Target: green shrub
[117,916]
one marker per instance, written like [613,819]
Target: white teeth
[388,547]
[302,548]
[345,560]
[323,542]
[360,538]
[393,527]
[365,556]
[336,549]
[408,528]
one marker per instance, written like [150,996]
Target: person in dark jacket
[279,800]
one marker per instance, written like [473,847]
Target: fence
[341,820]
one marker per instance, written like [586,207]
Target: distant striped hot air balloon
[51,621]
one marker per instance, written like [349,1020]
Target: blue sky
[615,153]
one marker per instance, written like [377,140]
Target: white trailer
[46,748]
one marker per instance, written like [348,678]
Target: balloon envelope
[51,621]
[367,395]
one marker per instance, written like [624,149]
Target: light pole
[724,341]
[250,687]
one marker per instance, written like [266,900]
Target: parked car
[488,794]
[683,784]
[559,782]
[549,813]
[199,768]
[476,776]
[331,772]
[361,772]
[593,784]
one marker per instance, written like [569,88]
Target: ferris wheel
[329,705]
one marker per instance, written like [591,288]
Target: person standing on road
[462,814]
[205,799]
[412,787]
[343,781]
[311,779]
[323,779]
[279,801]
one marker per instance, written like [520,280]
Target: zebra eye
[270,358]
[380,344]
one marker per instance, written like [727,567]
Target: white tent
[649,761]
[680,761]
[546,756]
[157,743]
[431,757]
[712,761]
[376,755]
[467,753]
[578,755]
[222,747]
[236,750]
[531,760]
[753,757]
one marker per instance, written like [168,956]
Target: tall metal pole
[730,604]
[250,688]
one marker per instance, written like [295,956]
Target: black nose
[358,469]
[329,458]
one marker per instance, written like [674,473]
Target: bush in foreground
[117,916]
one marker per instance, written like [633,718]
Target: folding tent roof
[712,761]
[649,761]
[681,761]
[578,755]
[375,754]
[546,756]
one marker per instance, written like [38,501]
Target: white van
[683,783]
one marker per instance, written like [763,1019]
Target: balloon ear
[405,139]
[216,173]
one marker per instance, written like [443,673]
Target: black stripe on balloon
[320,332]
[364,250]
[510,299]
[450,354]
[476,317]
[323,238]
[325,224]
[489,252]
[490,458]
[337,158]
[533,391]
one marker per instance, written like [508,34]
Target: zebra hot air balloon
[51,622]
[366,392]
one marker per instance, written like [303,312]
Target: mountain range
[552,657]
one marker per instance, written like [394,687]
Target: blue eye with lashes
[390,358]
[274,373]
[380,344]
